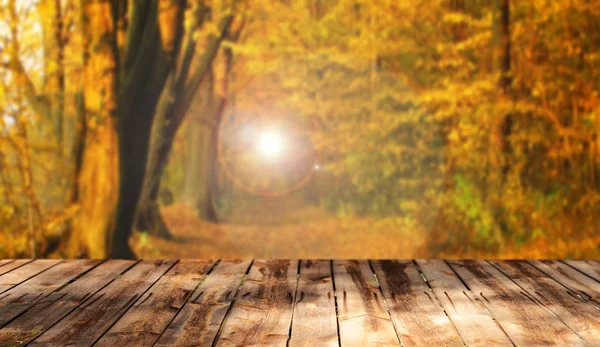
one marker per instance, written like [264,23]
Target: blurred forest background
[300,128]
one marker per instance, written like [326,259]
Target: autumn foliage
[454,128]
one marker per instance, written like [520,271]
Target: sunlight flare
[271,144]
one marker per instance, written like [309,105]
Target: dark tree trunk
[504,83]
[500,148]
[149,217]
[152,49]
[170,114]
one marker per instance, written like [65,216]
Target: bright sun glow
[271,144]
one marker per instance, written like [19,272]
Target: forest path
[291,228]
[276,229]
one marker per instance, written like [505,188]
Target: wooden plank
[199,320]
[57,305]
[314,320]
[88,322]
[588,267]
[577,314]
[144,322]
[363,317]
[25,272]
[471,319]
[262,314]
[5,261]
[576,281]
[418,318]
[17,300]
[8,267]
[526,322]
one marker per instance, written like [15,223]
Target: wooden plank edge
[84,301]
[574,291]
[385,303]
[294,301]
[474,295]
[535,299]
[3,271]
[30,277]
[212,268]
[133,302]
[229,309]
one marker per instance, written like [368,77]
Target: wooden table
[291,302]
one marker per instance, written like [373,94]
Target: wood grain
[200,318]
[25,272]
[262,314]
[287,302]
[149,316]
[577,314]
[314,321]
[362,314]
[576,281]
[86,324]
[472,320]
[419,319]
[588,267]
[525,321]
[11,265]
[61,302]
[18,299]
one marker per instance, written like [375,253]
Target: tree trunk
[152,49]
[500,149]
[206,172]
[503,61]
[149,218]
[205,206]
[98,178]
[200,171]
[170,114]
[197,174]
[54,74]
[198,143]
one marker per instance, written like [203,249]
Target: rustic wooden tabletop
[291,302]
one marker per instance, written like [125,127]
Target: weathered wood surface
[299,303]
[474,322]
[88,322]
[262,314]
[588,267]
[60,303]
[418,317]
[11,264]
[18,299]
[578,282]
[143,323]
[25,272]
[524,320]
[577,314]
[314,321]
[199,321]
[363,317]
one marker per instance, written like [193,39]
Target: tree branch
[37,103]
[205,63]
